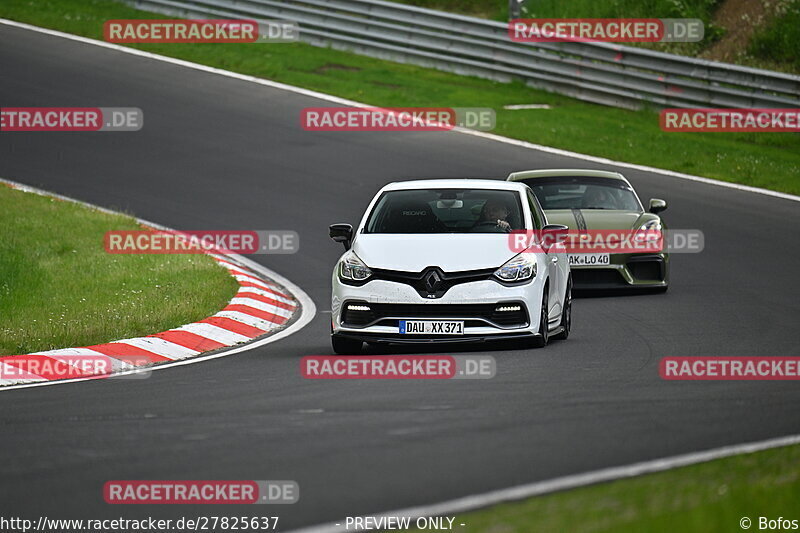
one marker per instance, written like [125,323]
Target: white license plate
[589,259]
[431,327]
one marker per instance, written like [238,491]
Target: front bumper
[637,271]
[474,303]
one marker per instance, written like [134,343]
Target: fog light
[358,308]
[507,308]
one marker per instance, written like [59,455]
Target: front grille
[380,313]
[434,287]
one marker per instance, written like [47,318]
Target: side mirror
[657,205]
[342,233]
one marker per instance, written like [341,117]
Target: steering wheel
[492,224]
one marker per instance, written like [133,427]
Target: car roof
[555,172]
[460,183]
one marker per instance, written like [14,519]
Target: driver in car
[597,198]
[493,214]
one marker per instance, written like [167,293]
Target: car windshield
[584,192]
[446,211]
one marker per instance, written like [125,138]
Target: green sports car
[600,203]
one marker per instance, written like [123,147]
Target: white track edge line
[352,103]
[307,308]
[487,499]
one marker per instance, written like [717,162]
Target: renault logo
[432,280]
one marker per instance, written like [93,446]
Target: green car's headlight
[651,225]
[649,231]
[519,268]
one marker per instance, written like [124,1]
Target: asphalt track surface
[219,153]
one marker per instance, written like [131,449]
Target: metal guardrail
[605,73]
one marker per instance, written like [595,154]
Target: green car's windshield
[446,211]
[584,192]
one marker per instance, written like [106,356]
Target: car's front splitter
[387,338]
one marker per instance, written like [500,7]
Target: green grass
[769,160]
[779,41]
[59,288]
[703,498]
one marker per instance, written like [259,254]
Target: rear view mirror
[449,204]
[342,233]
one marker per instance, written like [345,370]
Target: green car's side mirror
[657,205]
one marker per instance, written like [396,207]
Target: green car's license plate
[589,259]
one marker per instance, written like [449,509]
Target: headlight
[650,230]
[352,268]
[519,268]
[651,225]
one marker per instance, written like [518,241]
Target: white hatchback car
[432,261]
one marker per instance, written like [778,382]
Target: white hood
[450,252]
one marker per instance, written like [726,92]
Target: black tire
[345,346]
[566,314]
[544,333]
